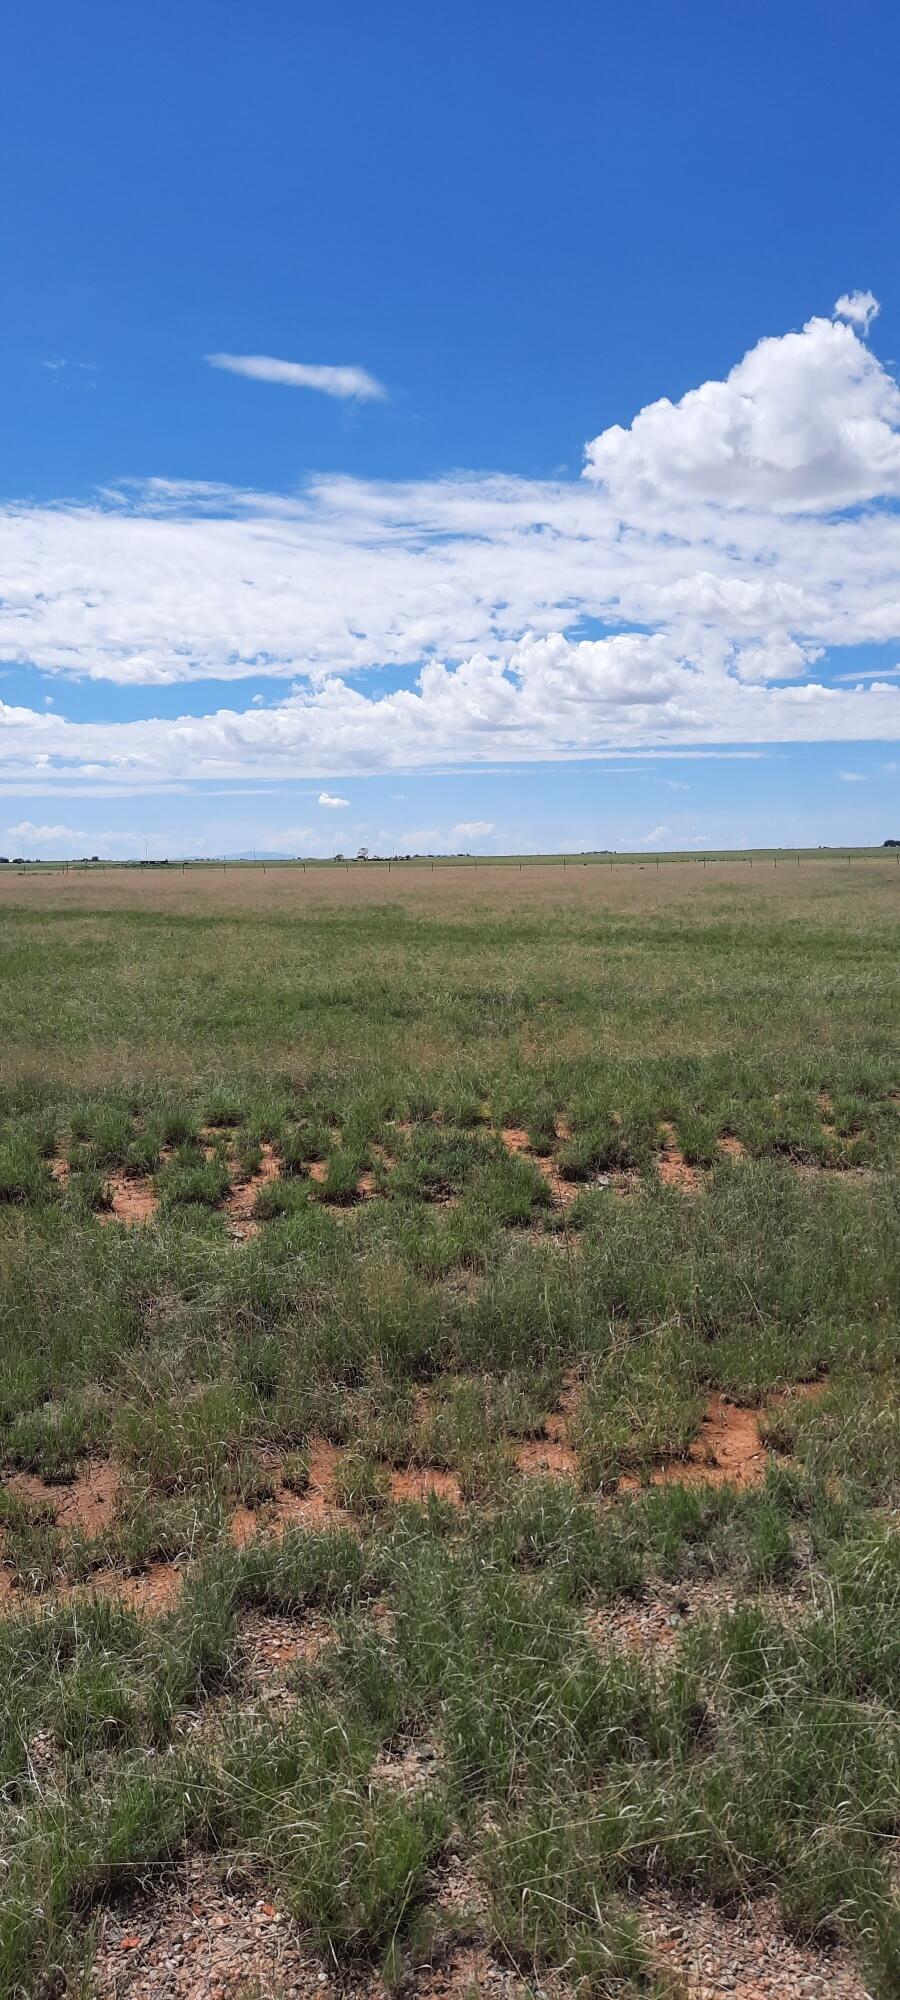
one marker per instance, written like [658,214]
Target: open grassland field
[449,1433]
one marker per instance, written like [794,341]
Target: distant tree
[892,843]
[362,854]
[339,857]
[4,860]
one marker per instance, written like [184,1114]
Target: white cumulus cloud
[347,383]
[775,660]
[332,801]
[809,420]
[28,830]
[472,829]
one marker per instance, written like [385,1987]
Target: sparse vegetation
[498,1282]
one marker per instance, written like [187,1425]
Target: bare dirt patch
[410,1767]
[132,1198]
[196,1938]
[849,1175]
[747,1955]
[731,1147]
[240,1203]
[516,1143]
[672,1167]
[546,1458]
[87,1503]
[656,1620]
[273,1645]
[150,1591]
[203,1936]
[471,1971]
[419,1483]
[728,1447]
[564,1192]
[515,1139]
[551,1456]
[316,1507]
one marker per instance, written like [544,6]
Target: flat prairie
[449,1431]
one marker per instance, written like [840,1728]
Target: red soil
[131,1198]
[316,1508]
[672,1167]
[418,1484]
[517,1145]
[87,1503]
[546,1458]
[240,1202]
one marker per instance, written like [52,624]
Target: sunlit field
[450,1430]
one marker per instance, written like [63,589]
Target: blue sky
[487,590]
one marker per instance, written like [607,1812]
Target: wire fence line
[440,864]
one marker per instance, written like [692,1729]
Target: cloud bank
[695,586]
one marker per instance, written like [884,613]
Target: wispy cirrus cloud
[348,384]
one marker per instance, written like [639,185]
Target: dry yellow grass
[868,885]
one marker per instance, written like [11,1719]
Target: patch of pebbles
[746,1955]
[203,1937]
[409,1767]
[197,1938]
[657,1620]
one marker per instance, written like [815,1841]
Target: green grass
[439,1314]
